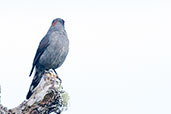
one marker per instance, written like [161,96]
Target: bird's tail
[35,82]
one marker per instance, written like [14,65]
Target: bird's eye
[54,23]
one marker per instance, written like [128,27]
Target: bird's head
[57,24]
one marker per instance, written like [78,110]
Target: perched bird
[51,53]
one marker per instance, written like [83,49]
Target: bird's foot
[54,74]
[50,74]
[57,75]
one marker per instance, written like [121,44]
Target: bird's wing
[42,47]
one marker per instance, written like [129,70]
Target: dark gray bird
[51,53]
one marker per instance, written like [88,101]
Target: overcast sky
[119,60]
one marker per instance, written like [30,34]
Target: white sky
[119,60]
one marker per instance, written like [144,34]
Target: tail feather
[35,82]
[29,94]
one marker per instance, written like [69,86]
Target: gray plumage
[51,53]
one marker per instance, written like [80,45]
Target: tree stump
[48,97]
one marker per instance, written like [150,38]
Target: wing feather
[44,43]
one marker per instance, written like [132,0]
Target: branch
[48,97]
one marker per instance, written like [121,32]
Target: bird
[51,52]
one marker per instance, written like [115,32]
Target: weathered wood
[48,97]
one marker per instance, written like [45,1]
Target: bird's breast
[56,52]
